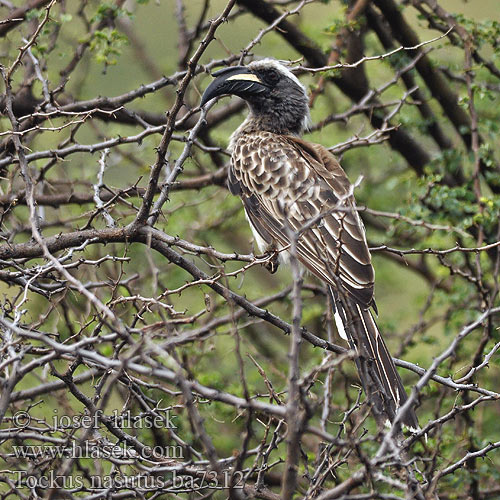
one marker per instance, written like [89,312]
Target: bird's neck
[266,123]
[272,123]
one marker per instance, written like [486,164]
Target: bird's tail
[379,377]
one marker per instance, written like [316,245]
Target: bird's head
[277,99]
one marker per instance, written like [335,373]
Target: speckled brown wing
[283,178]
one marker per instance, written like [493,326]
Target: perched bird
[284,182]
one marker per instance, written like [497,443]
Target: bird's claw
[272,262]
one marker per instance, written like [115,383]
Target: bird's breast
[263,166]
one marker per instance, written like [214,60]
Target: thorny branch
[130,282]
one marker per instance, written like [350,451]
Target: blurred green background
[213,217]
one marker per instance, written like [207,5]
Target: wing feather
[286,180]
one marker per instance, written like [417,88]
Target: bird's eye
[272,76]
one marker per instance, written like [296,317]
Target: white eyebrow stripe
[268,63]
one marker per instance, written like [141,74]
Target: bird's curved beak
[237,80]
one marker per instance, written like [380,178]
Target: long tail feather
[379,377]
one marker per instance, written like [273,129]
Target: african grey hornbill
[284,182]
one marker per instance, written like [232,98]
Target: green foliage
[107,45]
[35,14]
[106,11]
[424,299]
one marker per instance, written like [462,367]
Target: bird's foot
[272,262]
